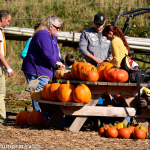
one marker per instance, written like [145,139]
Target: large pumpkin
[68,88]
[117,75]
[100,70]
[106,69]
[86,68]
[21,118]
[82,94]
[35,118]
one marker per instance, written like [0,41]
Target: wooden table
[98,89]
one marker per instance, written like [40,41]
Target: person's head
[99,22]
[130,53]
[69,60]
[37,25]
[110,31]
[5,18]
[51,24]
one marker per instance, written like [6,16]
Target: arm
[25,50]
[115,52]
[5,64]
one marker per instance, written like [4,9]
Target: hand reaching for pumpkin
[60,64]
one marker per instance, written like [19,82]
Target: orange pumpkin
[139,133]
[45,91]
[64,86]
[82,94]
[92,75]
[73,70]
[60,72]
[140,126]
[78,67]
[67,76]
[21,118]
[35,118]
[117,75]
[52,93]
[100,70]
[112,132]
[86,68]
[124,133]
[106,69]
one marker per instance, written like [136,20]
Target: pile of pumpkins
[66,92]
[121,131]
[86,71]
[33,118]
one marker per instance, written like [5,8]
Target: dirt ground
[41,138]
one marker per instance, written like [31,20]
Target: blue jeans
[41,84]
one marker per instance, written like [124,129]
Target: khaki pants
[2,95]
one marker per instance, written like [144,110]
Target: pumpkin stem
[92,68]
[50,81]
[68,82]
[104,125]
[25,108]
[124,126]
[110,125]
[84,61]
[59,81]
[115,124]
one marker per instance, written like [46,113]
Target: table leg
[56,118]
[79,121]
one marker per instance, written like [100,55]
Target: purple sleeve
[48,50]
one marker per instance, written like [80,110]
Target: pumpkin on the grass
[21,118]
[82,94]
[35,118]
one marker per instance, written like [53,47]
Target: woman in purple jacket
[43,54]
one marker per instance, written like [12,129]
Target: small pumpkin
[60,72]
[124,133]
[139,133]
[86,68]
[21,118]
[35,118]
[82,94]
[112,132]
[92,75]
[67,75]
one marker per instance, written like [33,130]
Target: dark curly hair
[117,32]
